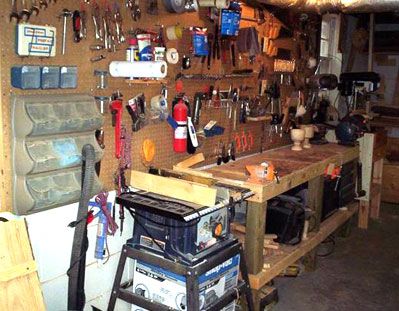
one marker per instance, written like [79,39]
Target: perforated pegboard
[78,54]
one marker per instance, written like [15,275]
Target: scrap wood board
[174,188]
[19,282]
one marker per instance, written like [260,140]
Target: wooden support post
[376,186]
[345,230]
[255,231]
[315,202]
[315,198]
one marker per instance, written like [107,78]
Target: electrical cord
[329,240]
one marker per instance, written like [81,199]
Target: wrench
[120,36]
[95,14]
[34,8]
[43,4]
[83,16]
[14,11]
[25,12]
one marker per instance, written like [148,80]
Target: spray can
[132,52]
[101,233]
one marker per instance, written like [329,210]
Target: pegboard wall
[79,54]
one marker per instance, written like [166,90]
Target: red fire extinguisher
[180,135]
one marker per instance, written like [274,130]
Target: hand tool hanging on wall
[83,18]
[96,17]
[116,108]
[120,36]
[14,15]
[192,141]
[196,111]
[134,6]
[65,14]
[136,109]
[232,150]
[44,4]
[125,163]
[225,154]
[100,140]
[106,20]
[25,12]
[77,26]
[152,7]
[216,43]
[34,8]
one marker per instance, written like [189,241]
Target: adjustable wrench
[34,8]
[25,12]
[14,11]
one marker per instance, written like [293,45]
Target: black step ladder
[191,273]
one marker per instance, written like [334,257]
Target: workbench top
[294,168]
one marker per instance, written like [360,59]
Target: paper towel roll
[138,69]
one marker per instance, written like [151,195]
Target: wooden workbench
[294,168]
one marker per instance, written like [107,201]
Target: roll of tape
[174,32]
[172,56]
[149,69]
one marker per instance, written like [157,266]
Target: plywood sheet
[19,282]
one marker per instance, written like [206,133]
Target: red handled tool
[244,141]
[251,140]
[116,111]
[237,139]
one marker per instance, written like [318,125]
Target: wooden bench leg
[315,202]
[363,221]
[376,194]
[255,232]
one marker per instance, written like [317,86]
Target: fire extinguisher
[180,135]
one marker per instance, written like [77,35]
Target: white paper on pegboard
[36,40]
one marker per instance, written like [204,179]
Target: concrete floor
[362,273]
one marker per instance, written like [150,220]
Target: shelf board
[145,81]
[290,254]
[257,119]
